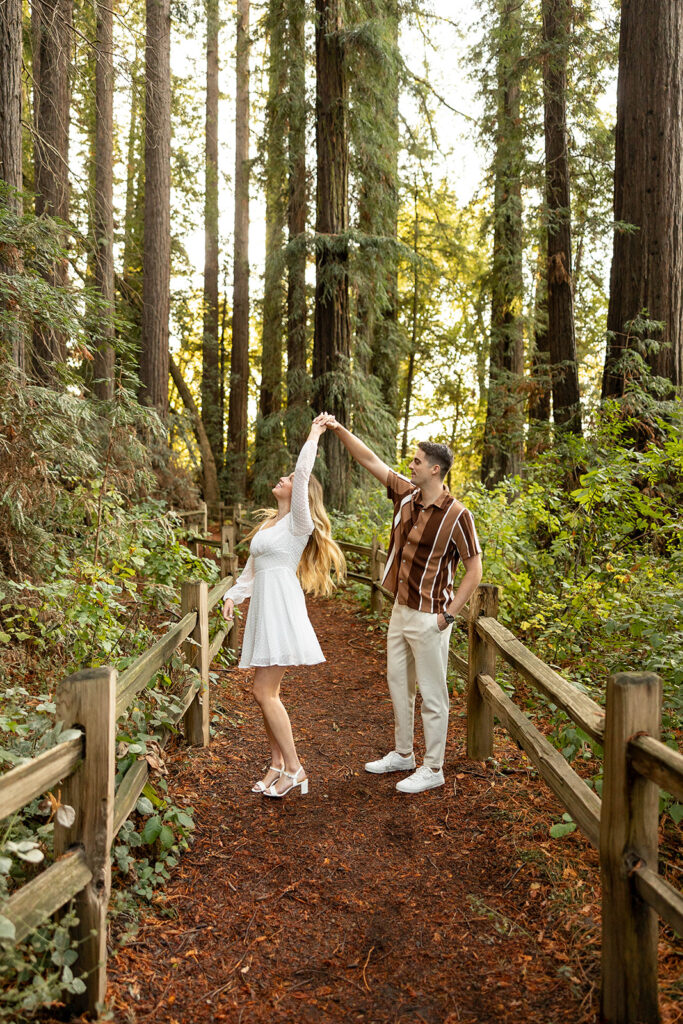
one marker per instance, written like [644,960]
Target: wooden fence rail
[84,767]
[623,825]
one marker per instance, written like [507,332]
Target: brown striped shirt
[426,545]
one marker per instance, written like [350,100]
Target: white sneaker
[423,778]
[391,762]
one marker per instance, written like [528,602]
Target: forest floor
[357,903]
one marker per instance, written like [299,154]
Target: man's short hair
[438,455]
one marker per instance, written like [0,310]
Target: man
[431,533]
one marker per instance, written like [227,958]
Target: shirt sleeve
[465,536]
[244,586]
[301,523]
[398,486]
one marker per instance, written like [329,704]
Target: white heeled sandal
[303,783]
[260,787]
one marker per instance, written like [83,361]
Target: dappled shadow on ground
[356,903]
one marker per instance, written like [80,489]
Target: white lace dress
[278,630]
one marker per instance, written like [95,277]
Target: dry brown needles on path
[356,903]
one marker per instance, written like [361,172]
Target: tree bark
[211,383]
[561,337]
[209,473]
[239,364]
[503,431]
[10,144]
[647,264]
[156,261]
[131,290]
[332,332]
[413,339]
[52,30]
[270,401]
[103,367]
[298,382]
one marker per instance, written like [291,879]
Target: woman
[293,541]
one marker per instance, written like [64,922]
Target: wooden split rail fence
[85,767]
[623,825]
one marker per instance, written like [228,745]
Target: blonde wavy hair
[322,553]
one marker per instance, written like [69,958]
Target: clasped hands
[324,421]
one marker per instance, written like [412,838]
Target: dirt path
[356,903]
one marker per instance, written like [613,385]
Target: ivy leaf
[563,829]
[65,815]
[144,806]
[150,832]
[166,837]
[7,929]
[676,813]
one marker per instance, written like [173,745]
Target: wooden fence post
[88,699]
[628,834]
[205,518]
[376,597]
[481,661]
[194,597]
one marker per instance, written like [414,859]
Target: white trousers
[417,656]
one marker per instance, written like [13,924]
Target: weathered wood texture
[656,761]
[137,675]
[459,664]
[579,706]
[44,895]
[27,781]
[481,661]
[628,834]
[216,593]
[89,700]
[217,643]
[661,896]
[194,598]
[582,802]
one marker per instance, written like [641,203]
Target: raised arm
[301,522]
[360,452]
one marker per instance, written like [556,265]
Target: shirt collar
[441,502]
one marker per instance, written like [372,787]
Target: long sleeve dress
[278,630]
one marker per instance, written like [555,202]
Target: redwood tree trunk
[211,382]
[154,362]
[297,210]
[239,365]
[561,338]
[503,431]
[10,140]
[270,401]
[332,333]
[52,30]
[647,264]
[103,368]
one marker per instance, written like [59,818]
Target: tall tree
[268,455]
[103,368]
[10,140]
[647,263]
[239,363]
[297,214]
[332,332]
[503,431]
[154,360]
[211,377]
[51,22]
[560,302]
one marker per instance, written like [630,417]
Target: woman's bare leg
[267,693]
[276,758]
